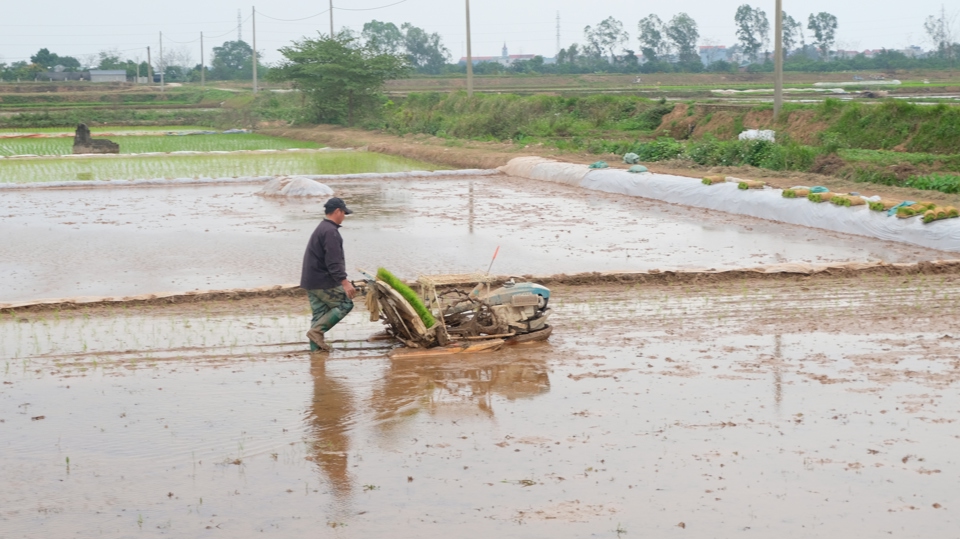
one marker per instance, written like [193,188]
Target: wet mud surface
[116,242]
[795,408]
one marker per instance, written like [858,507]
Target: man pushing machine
[324,275]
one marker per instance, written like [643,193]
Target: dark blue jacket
[324,266]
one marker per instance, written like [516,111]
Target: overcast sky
[527,26]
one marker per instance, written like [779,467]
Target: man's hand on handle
[349,289]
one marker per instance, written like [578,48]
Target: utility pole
[203,68]
[469,56]
[149,68]
[254,50]
[163,67]
[778,63]
[558,34]
[331,19]
[239,26]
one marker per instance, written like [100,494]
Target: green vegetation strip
[202,166]
[147,144]
[408,294]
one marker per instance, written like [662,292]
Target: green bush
[662,149]
[945,183]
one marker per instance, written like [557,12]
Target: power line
[370,8]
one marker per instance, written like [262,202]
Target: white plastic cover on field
[765,204]
[415,174]
[759,134]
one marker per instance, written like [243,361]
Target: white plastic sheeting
[295,187]
[249,179]
[539,168]
[759,134]
[765,204]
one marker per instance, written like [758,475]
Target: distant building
[712,53]
[61,76]
[845,55]
[108,75]
[505,58]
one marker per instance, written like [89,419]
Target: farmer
[324,275]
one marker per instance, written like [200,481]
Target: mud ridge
[652,277]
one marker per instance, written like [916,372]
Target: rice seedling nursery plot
[147,144]
[202,166]
[101,129]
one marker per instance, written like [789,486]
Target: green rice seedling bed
[147,144]
[202,166]
[101,129]
[409,295]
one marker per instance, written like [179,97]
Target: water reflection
[329,416]
[455,385]
[451,386]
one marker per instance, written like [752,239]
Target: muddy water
[777,411]
[96,242]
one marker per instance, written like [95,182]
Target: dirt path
[485,155]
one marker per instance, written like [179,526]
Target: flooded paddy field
[125,241]
[790,408]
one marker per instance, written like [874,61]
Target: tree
[753,30]
[232,61]
[653,42]
[940,31]
[792,34]
[425,51]
[383,37]
[339,76]
[48,60]
[606,37]
[570,55]
[683,33]
[824,28]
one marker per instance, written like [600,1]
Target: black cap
[335,203]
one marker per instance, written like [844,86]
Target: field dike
[652,277]
[731,197]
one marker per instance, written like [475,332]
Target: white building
[108,75]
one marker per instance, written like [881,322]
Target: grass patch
[146,144]
[408,294]
[202,166]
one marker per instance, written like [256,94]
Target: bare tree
[940,32]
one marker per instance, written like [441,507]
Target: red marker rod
[495,253]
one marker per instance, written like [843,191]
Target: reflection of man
[329,416]
[324,275]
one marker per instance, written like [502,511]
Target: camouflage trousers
[329,307]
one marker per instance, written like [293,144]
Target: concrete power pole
[254,50]
[331,19]
[149,68]
[163,67]
[469,56]
[778,63]
[203,68]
